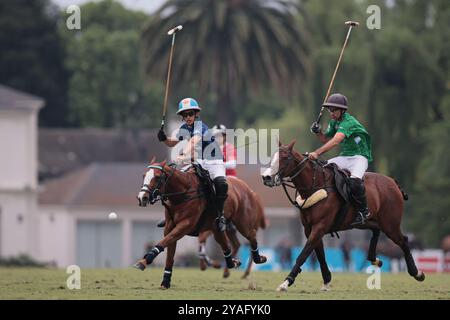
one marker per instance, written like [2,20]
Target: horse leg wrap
[291,277]
[255,255]
[166,278]
[228,258]
[151,255]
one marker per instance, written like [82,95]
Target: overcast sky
[148,6]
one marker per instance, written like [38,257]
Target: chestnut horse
[205,261]
[384,196]
[185,202]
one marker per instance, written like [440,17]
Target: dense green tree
[32,57]
[228,48]
[106,87]
[430,203]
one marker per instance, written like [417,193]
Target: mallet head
[176,29]
[352,23]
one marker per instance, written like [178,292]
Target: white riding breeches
[357,165]
[216,168]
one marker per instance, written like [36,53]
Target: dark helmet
[336,100]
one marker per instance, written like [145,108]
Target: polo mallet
[171,32]
[351,24]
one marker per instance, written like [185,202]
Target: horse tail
[404,194]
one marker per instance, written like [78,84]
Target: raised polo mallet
[171,32]
[351,24]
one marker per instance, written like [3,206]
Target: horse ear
[153,160]
[291,145]
[163,164]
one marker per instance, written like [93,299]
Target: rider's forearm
[327,146]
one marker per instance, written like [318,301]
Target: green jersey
[356,142]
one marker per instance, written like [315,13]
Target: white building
[18,173]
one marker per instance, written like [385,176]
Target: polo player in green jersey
[356,151]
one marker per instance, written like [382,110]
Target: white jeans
[357,165]
[216,168]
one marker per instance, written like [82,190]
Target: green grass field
[190,284]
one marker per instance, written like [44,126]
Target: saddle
[341,178]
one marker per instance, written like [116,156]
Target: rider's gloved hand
[315,127]
[162,135]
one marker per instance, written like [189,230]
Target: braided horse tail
[404,194]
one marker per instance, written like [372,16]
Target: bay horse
[385,199]
[185,203]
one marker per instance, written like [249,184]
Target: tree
[229,47]
[430,203]
[106,87]
[32,56]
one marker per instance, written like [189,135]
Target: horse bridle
[157,195]
[301,165]
[288,180]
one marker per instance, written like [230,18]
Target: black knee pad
[221,185]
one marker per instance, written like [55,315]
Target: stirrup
[360,220]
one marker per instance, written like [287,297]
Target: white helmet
[188,104]
[219,129]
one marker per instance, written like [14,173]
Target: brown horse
[205,261]
[185,202]
[385,200]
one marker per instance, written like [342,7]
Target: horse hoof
[262,259]
[245,275]
[203,265]
[216,265]
[420,276]
[226,274]
[325,287]
[140,265]
[283,287]
[163,287]
[378,263]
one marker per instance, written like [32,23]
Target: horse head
[154,180]
[282,165]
